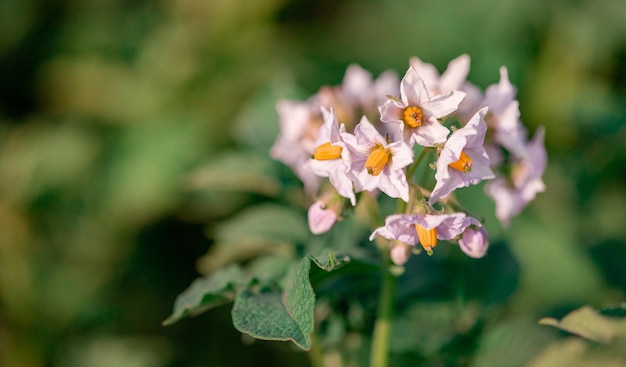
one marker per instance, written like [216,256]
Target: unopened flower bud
[321,219]
[474,242]
[324,213]
[400,253]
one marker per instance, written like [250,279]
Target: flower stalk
[316,355]
[381,339]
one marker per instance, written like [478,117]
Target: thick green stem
[316,356]
[382,327]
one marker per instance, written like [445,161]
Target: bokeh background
[129,130]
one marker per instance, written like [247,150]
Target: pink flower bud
[474,242]
[321,217]
[400,253]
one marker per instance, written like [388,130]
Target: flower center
[327,152]
[463,164]
[427,237]
[377,160]
[413,116]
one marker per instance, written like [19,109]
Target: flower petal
[444,104]
[413,91]
[455,75]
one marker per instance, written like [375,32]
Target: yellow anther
[413,116]
[327,152]
[377,160]
[427,237]
[463,164]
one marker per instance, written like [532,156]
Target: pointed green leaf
[300,299]
[264,316]
[207,292]
[332,262]
[270,316]
[589,324]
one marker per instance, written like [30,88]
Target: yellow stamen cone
[377,160]
[427,237]
[327,152]
[463,164]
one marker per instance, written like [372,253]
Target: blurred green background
[127,130]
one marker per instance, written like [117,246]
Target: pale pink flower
[499,96]
[331,158]
[363,91]
[472,102]
[504,114]
[424,229]
[377,164]
[414,118]
[299,126]
[452,79]
[359,94]
[513,194]
[300,121]
[463,160]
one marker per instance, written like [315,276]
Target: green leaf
[272,316]
[269,269]
[427,327]
[607,327]
[267,222]
[332,262]
[207,292]
[589,324]
[511,343]
[255,231]
[264,316]
[237,171]
[577,352]
[492,279]
[300,299]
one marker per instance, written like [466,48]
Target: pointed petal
[455,75]
[428,73]
[391,110]
[412,89]
[366,133]
[445,104]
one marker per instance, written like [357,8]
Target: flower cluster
[372,134]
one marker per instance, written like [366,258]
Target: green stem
[418,160]
[316,355]
[382,327]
